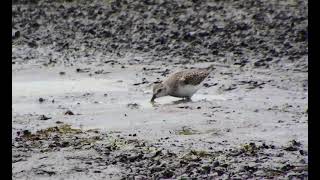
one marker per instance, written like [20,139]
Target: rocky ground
[82,78]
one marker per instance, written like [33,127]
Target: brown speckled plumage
[182,84]
[187,77]
[193,77]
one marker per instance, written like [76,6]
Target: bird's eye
[159,90]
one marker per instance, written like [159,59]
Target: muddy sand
[83,73]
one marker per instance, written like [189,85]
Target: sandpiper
[182,84]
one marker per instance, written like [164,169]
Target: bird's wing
[193,77]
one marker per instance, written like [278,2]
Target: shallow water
[85,96]
[33,89]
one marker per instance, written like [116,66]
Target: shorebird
[182,84]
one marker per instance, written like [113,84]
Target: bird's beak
[153,98]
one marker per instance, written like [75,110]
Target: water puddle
[172,100]
[125,106]
[61,86]
[24,91]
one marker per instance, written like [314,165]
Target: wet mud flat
[67,153]
[82,79]
[76,125]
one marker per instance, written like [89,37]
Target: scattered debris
[41,100]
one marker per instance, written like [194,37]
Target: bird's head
[159,90]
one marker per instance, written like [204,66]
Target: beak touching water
[153,98]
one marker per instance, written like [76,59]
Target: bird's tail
[211,68]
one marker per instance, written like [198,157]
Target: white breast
[187,90]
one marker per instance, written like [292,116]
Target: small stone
[219,171]
[224,165]
[295,143]
[32,44]
[133,105]
[206,169]
[26,132]
[291,148]
[287,167]
[216,164]
[69,113]
[301,152]
[82,70]
[167,173]
[16,34]
[250,168]
[65,144]
[43,117]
